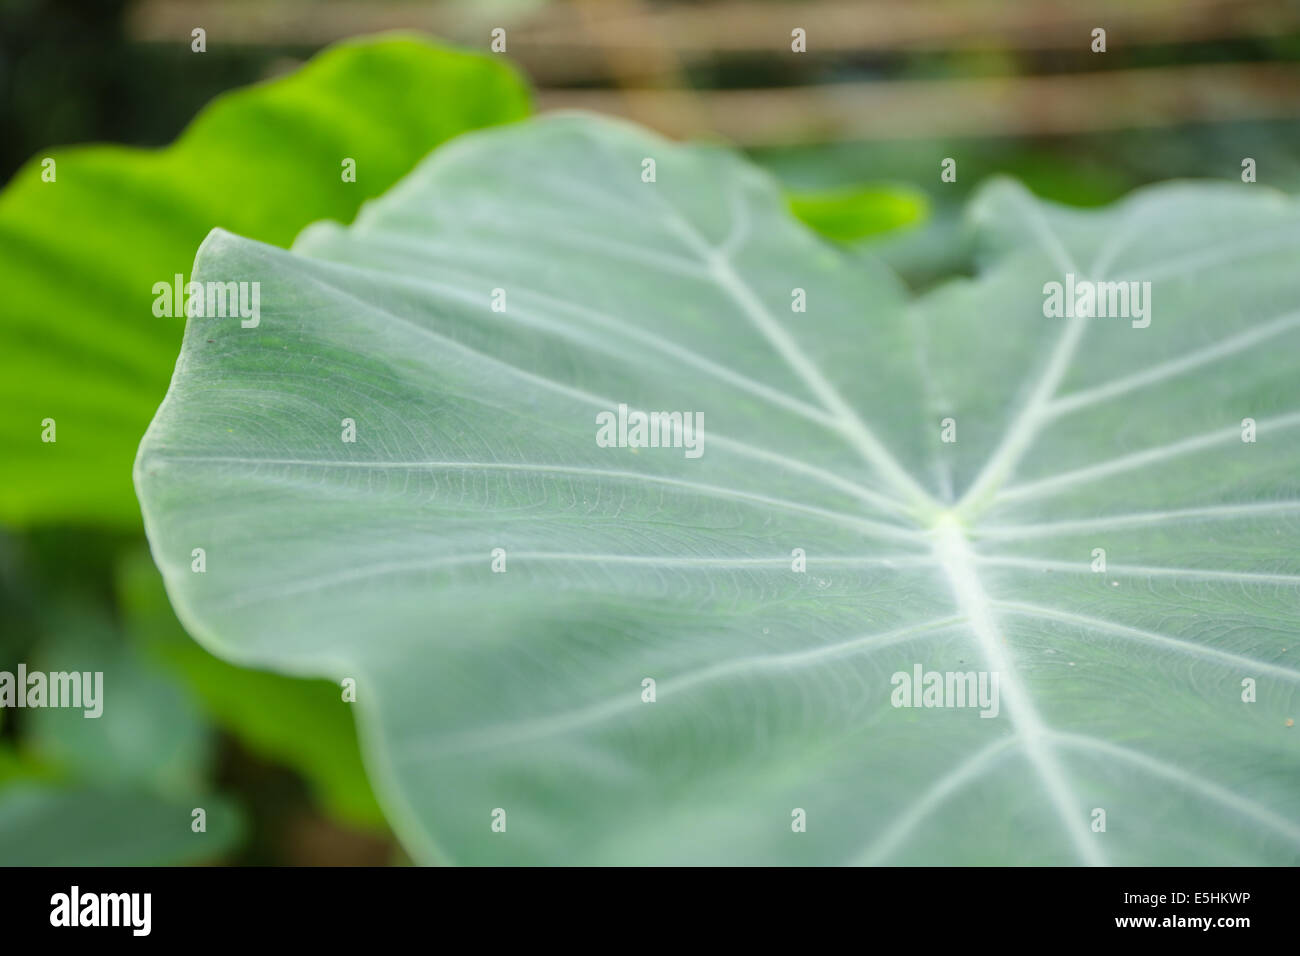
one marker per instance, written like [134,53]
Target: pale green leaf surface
[522,690]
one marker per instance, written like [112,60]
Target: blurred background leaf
[850,213]
[79,256]
[45,826]
[303,724]
[94,790]
[148,733]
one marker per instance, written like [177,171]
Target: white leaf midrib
[955,556]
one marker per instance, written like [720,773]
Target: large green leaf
[79,256]
[476,430]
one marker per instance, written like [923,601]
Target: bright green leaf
[823,432]
[853,213]
[19,766]
[79,256]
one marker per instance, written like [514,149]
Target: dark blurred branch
[650,76]
[976,106]
[560,42]
[642,50]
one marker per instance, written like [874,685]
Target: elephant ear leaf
[425,467]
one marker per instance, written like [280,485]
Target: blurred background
[855,128]
[886,87]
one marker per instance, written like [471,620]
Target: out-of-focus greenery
[79,256]
[115,789]
[850,213]
[43,825]
[303,724]
[1086,170]
[149,733]
[1083,169]
[79,343]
